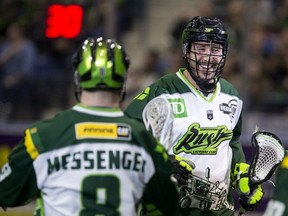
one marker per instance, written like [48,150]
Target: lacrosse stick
[158,118]
[268,154]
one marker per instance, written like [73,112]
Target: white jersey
[205,129]
[93,167]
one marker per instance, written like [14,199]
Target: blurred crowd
[36,74]
[258,44]
[257,60]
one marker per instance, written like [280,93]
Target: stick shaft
[241,211]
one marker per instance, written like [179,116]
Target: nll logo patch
[210,114]
[230,108]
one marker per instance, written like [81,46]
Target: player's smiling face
[205,57]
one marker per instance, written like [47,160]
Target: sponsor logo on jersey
[202,140]
[229,108]
[179,107]
[102,131]
[201,192]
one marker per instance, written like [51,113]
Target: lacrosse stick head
[268,154]
[158,118]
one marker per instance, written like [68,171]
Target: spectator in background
[235,13]
[17,64]
[174,54]
[275,68]
[177,29]
[150,70]
[280,10]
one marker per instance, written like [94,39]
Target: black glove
[182,169]
[252,201]
[249,198]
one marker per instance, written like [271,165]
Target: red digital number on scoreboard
[64,21]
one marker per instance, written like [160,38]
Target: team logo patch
[102,131]
[229,108]
[202,140]
[210,114]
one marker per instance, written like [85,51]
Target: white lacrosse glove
[183,168]
[249,198]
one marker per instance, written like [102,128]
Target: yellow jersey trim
[30,147]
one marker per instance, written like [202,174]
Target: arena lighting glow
[64,21]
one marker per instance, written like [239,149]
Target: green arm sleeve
[237,149]
[278,204]
[281,189]
[135,108]
[17,179]
[161,196]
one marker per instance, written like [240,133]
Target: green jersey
[89,161]
[278,205]
[205,130]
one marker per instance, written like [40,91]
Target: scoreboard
[64,21]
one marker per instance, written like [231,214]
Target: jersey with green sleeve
[89,161]
[278,205]
[205,130]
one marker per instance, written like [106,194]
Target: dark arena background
[40,83]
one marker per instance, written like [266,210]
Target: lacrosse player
[207,124]
[91,159]
[278,205]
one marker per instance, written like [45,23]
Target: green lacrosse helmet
[100,64]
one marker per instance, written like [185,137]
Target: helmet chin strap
[77,93]
[205,88]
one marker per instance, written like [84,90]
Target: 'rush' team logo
[98,130]
[202,140]
[230,108]
[179,107]
[210,114]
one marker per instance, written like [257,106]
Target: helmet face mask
[204,50]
